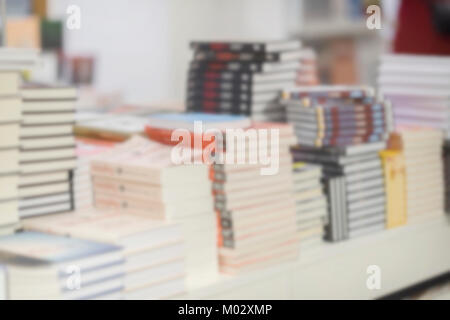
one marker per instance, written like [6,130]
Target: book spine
[229,46]
[235,66]
[211,55]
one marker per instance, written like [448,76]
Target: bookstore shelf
[406,256]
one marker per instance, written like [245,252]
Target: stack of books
[43,266]
[343,129]
[12,62]
[311,204]
[446,156]
[354,185]
[417,86]
[139,177]
[47,150]
[256,207]
[86,150]
[337,115]
[243,77]
[422,149]
[10,118]
[153,250]
[3,285]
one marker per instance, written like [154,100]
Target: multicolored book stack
[244,77]
[47,150]
[86,150]
[353,178]
[417,86]
[422,149]
[140,177]
[44,266]
[12,62]
[153,250]
[311,204]
[256,208]
[336,115]
[343,129]
[446,157]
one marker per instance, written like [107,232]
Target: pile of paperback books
[337,115]
[417,86]
[12,62]
[86,150]
[256,207]
[422,149]
[140,177]
[47,150]
[43,266]
[311,204]
[246,77]
[153,250]
[343,129]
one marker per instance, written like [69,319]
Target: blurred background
[139,51]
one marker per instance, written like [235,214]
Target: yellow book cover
[395,183]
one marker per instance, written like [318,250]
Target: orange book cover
[164,136]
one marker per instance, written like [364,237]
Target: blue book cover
[186,120]
[41,248]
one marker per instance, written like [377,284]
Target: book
[47,149]
[154,251]
[243,46]
[212,55]
[208,121]
[245,78]
[257,214]
[54,265]
[140,178]
[311,206]
[417,86]
[423,170]
[395,180]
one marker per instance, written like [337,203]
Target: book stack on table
[139,177]
[154,251]
[422,149]
[246,77]
[311,204]
[256,206]
[47,150]
[12,63]
[343,129]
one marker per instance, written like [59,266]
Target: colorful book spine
[395,183]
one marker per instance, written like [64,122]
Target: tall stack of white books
[311,204]
[154,251]
[139,177]
[47,150]
[418,87]
[256,205]
[12,62]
